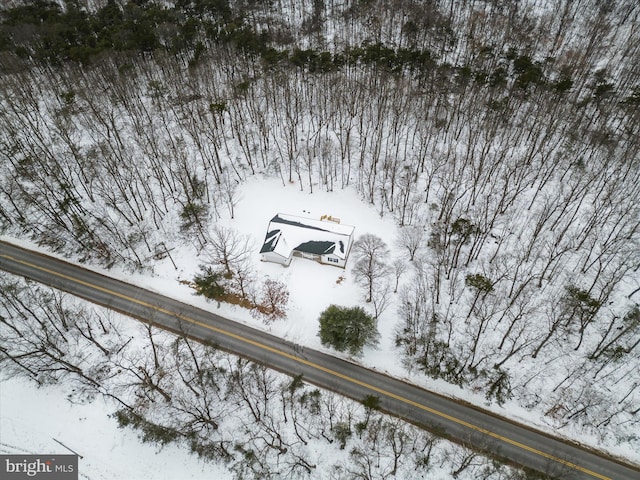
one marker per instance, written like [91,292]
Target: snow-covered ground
[312,288]
[32,419]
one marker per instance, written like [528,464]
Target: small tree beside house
[273,301]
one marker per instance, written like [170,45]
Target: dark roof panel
[270,241]
[318,248]
[278,219]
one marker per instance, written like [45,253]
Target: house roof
[288,232]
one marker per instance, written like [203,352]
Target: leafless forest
[502,137]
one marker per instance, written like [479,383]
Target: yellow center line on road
[315,366]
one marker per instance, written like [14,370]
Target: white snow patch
[31,418]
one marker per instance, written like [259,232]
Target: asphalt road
[471,426]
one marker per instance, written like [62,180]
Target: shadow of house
[324,241]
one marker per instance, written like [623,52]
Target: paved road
[517,444]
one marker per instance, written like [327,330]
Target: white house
[324,241]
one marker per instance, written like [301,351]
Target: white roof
[289,232]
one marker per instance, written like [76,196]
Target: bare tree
[370,253]
[399,267]
[227,250]
[273,301]
[411,238]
